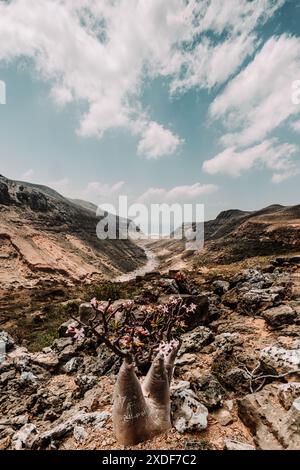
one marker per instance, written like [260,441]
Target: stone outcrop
[274,427]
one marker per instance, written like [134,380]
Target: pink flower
[179,276]
[126,340]
[101,307]
[174,300]
[192,307]
[79,334]
[165,348]
[147,309]
[71,328]
[97,305]
[163,308]
[94,302]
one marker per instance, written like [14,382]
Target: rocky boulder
[195,340]
[6,342]
[4,194]
[287,393]
[278,316]
[273,427]
[169,285]
[278,360]
[34,199]
[229,368]
[209,391]
[96,419]
[187,412]
[221,287]
[253,291]
[21,439]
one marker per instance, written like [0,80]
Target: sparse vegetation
[105,291]
[40,334]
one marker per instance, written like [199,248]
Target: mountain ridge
[45,235]
[235,235]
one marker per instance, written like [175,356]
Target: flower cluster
[77,333]
[134,337]
[174,300]
[136,329]
[98,305]
[190,308]
[163,308]
[148,309]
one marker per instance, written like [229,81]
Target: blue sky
[165,101]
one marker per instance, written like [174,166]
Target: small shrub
[109,290]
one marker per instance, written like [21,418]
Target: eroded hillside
[45,237]
[234,236]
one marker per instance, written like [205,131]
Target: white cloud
[157,141]
[96,190]
[296,126]
[213,61]
[270,154]
[259,99]
[100,52]
[28,175]
[235,16]
[177,194]
[61,95]
[279,177]
[210,65]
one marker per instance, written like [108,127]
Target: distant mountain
[122,223]
[47,236]
[235,235]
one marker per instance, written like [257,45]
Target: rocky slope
[236,235]
[45,236]
[237,376]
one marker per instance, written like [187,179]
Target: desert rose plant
[143,336]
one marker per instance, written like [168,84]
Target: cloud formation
[102,192]
[253,105]
[101,52]
[156,141]
[259,99]
[177,194]
[269,154]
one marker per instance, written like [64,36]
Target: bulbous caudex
[143,410]
[140,410]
